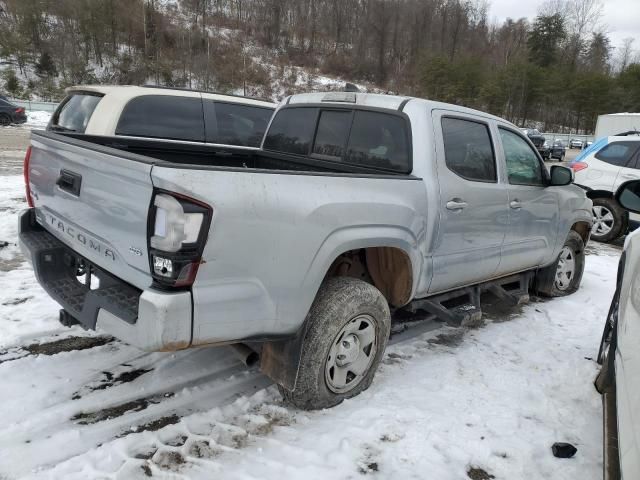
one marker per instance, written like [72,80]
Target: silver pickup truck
[355,206]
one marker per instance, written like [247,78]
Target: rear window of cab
[359,137]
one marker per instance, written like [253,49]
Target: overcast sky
[621,18]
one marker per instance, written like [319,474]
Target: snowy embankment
[80,405]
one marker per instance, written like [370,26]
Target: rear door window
[379,140]
[233,124]
[74,113]
[468,150]
[617,153]
[292,130]
[163,116]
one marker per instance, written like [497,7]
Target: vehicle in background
[538,140]
[4,97]
[557,151]
[614,124]
[173,116]
[600,170]
[354,205]
[10,113]
[575,143]
[619,377]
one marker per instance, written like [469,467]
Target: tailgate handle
[69,182]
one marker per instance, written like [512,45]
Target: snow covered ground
[446,403]
[37,119]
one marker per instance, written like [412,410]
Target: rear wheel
[4,120]
[564,275]
[349,324]
[609,220]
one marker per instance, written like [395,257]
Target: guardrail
[565,137]
[35,106]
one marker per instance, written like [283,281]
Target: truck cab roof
[380,100]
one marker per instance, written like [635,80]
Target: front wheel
[564,275]
[349,325]
[609,220]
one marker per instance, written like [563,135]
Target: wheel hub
[351,354]
[348,350]
[565,269]
[602,220]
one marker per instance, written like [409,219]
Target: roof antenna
[350,87]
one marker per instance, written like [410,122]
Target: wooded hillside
[558,70]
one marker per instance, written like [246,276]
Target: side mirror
[628,195]
[560,176]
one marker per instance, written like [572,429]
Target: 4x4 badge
[135,251]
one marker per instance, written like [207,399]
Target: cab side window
[468,151]
[163,116]
[523,165]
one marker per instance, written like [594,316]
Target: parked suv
[10,113]
[169,115]
[356,204]
[539,141]
[557,151]
[600,170]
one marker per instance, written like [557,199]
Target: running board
[462,307]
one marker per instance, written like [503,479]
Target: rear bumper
[148,319]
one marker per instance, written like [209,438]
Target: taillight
[178,229]
[19,110]
[25,171]
[576,167]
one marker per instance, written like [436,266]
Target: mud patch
[68,344]
[369,464]
[168,460]
[452,339]
[153,426]
[7,265]
[124,377]
[475,473]
[89,418]
[16,301]
[203,449]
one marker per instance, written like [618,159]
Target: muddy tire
[610,220]
[563,276]
[5,120]
[348,330]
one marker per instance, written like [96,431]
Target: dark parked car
[558,151]
[539,141]
[10,113]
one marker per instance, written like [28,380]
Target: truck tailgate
[96,200]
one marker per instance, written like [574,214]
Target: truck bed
[204,155]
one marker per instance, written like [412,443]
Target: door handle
[456,204]
[629,175]
[515,204]
[69,182]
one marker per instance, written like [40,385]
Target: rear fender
[280,360]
